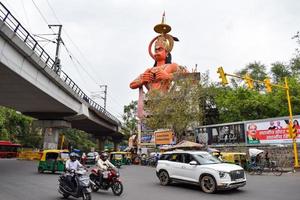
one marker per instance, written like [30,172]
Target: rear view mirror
[193,162]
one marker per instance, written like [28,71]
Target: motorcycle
[152,161]
[110,179]
[81,184]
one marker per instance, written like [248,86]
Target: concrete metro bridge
[30,84]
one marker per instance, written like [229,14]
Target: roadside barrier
[29,155]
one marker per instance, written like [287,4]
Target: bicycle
[268,166]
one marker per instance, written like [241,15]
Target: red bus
[8,149]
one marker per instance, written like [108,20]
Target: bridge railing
[31,42]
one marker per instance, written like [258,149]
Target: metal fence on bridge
[29,40]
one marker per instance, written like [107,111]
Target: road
[19,180]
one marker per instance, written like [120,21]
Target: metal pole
[105,94]
[62,141]
[296,164]
[58,41]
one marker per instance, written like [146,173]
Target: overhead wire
[51,8]
[46,21]
[40,12]
[71,55]
[26,17]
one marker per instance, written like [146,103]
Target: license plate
[105,175]
[239,180]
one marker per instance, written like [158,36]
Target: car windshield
[206,158]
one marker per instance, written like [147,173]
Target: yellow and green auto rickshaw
[118,158]
[237,158]
[53,160]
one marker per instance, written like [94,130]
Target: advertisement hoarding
[147,137]
[220,134]
[226,134]
[270,132]
[164,137]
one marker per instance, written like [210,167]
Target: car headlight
[222,174]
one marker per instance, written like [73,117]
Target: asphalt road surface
[19,180]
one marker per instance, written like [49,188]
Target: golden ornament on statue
[162,28]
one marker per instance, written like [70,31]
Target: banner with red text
[270,132]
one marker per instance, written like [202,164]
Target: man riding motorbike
[72,164]
[103,165]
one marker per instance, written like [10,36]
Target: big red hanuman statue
[162,73]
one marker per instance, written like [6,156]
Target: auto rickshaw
[53,160]
[237,158]
[118,158]
[128,157]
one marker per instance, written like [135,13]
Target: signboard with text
[164,137]
[270,132]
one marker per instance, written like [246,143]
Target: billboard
[147,137]
[147,134]
[223,134]
[201,136]
[270,132]
[164,137]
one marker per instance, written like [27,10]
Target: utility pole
[98,95]
[105,94]
[57,66]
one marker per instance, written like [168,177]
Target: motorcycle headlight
[222,174]
[86,182]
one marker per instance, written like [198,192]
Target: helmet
[73,156]
[104,156]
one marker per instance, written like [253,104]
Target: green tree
[179,109]
[279,71]
[239,103]
[129,125]
[256,71]
[79,139]
[17,128]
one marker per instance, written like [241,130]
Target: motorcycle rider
[104,164]
[72,164]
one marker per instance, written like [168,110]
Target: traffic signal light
[249,81]
[268,85]
[222,76]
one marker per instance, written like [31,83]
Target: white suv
[201,168]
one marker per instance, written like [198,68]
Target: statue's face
[160,53]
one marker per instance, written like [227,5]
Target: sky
[106,41]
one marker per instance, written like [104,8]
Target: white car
[199,167]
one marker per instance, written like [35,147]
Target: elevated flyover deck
[30,83]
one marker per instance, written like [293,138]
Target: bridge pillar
[51,130]
[100,142]
[116,145]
